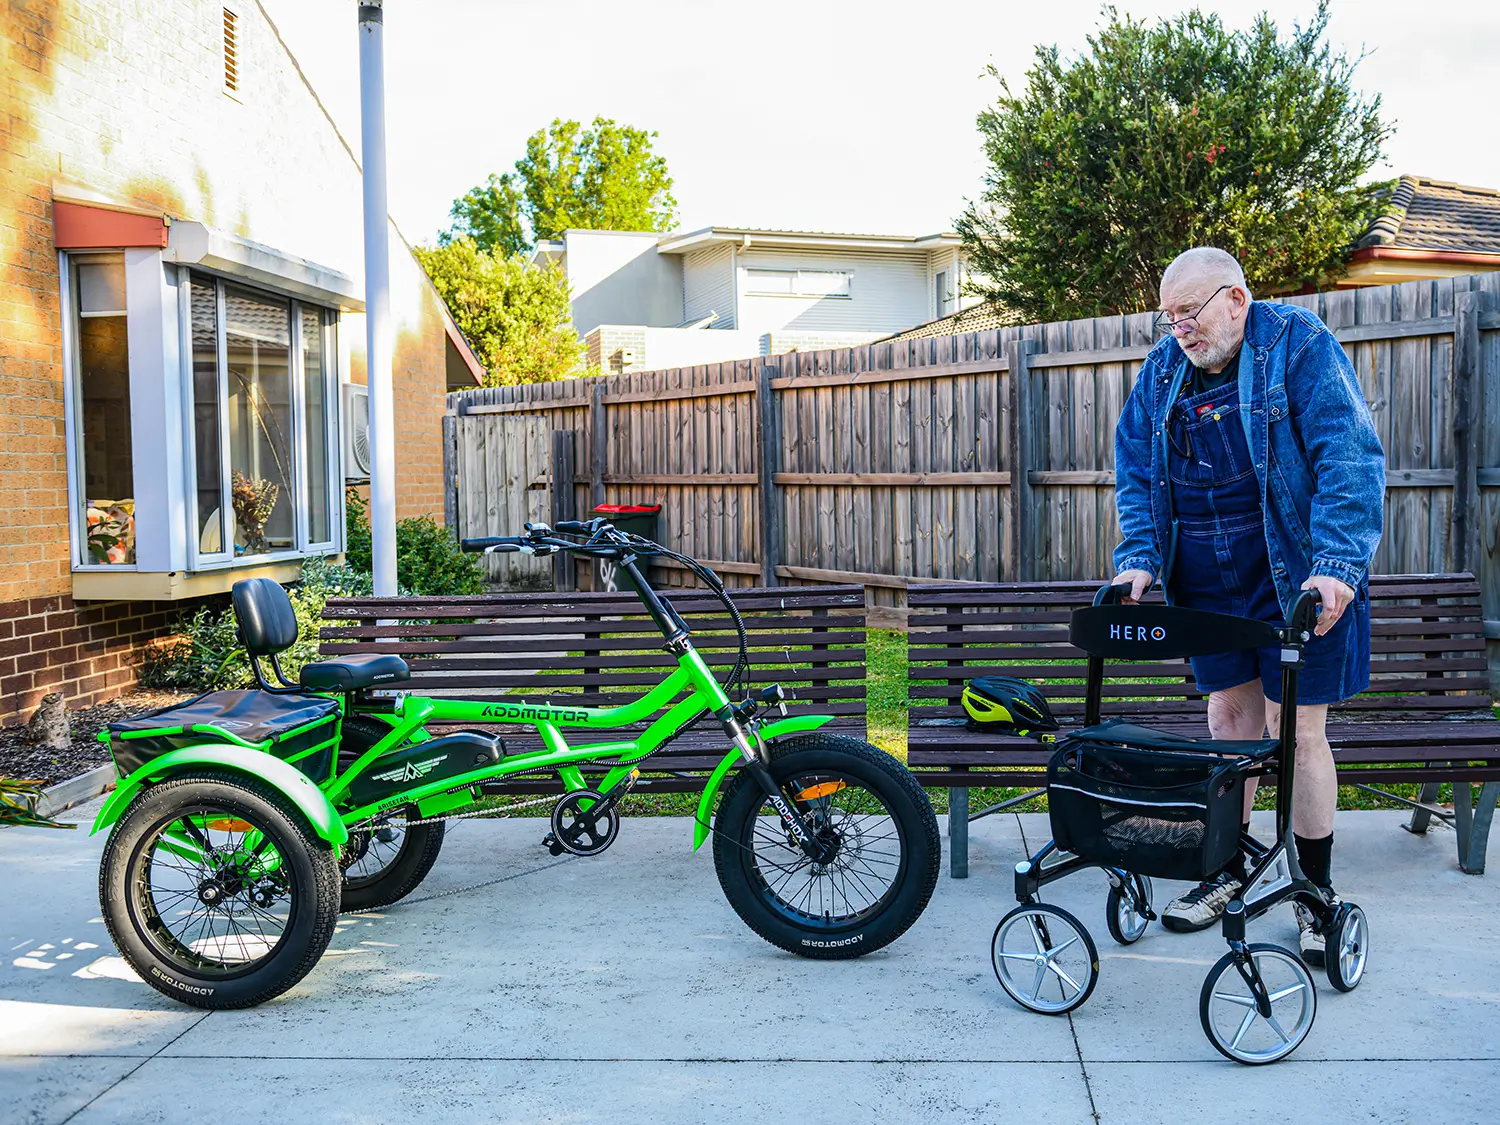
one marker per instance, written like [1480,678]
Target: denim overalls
[1222,563]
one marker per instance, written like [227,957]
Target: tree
[602,178]
[1164,137]
[516,316]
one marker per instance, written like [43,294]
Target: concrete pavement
[517,987]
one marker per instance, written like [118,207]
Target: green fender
[291,781]
[797,724]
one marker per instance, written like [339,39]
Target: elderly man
[1247,469]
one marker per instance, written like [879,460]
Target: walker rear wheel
[1044,959]
[1128,909]
[1233,1023]
[1348,948]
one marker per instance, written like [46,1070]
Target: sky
[810,114]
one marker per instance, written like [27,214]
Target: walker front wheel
[1128,909]
[1231,1017]
[1348,948]
[1044,959]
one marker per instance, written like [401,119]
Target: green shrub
[208,655]
[428,561]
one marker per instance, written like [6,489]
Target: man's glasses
[1187,324]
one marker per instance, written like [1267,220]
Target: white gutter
[194,244]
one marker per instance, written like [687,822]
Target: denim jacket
[1318,460]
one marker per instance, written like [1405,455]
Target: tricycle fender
[296,785]
[797,724]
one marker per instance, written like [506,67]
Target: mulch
[21,760]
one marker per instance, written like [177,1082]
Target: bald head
[1204,264]
[1204,296]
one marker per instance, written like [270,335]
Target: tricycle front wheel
[879,838]
[217,891]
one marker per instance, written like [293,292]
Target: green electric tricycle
[246,820]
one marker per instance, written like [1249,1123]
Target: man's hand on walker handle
[1336,598]
[1138,581]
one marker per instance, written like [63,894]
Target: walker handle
[1113,594]
[1304,613]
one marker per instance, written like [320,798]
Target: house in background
[646,300]
[183,337]
[1431,228]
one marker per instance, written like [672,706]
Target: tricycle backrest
[264,613]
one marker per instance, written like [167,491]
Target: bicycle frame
[408,716]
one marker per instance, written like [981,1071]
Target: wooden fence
[990,456]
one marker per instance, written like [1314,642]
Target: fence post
[564,504]
[768,455]
[1466,423]
[1022,514]
[599,445]
[450,475]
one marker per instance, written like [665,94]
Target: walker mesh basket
[1152,812]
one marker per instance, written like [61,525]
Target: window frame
[797,293]
[304,547]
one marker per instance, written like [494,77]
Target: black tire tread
[326,881]
[726,854]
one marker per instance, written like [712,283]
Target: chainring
[584,831]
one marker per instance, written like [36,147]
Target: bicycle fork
[755,764]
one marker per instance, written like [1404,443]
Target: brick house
[181,331]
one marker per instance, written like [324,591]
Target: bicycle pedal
[549,842]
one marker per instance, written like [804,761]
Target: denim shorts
[1224,567]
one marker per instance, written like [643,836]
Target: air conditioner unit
[356,432]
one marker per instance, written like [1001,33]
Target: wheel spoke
[1290,990]
[1276,1027]
[1041,978]
[1244,1027]
[1077,988]
[1058,949]
[1236,998]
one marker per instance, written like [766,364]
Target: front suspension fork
[755,764]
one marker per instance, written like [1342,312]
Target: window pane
[771,281]
[315,396]
[822,283]
[208,471]
[257,333]
[104,425]
[101,287]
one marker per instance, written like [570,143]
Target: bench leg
[1473,824]
[1421,819]
[958,833]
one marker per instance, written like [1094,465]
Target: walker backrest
[264,613]
[1164,632]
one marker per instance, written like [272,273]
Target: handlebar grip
[488,542]
[574,527]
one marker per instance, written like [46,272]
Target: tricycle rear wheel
[217,891]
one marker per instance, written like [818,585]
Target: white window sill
[100,584]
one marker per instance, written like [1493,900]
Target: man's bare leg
[1237,713]
[1313,805]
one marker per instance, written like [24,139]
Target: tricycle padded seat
[1149,738]
[349,673]
[287,726]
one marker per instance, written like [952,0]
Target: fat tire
[921,853]
[316,883]
[420,844]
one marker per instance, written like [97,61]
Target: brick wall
[123,101]
[90,651]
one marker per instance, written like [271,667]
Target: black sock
[1315,857]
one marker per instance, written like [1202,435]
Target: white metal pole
[377,299]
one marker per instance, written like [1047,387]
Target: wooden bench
[601,650]
[1427,717]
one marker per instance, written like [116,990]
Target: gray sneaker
[1200,907]
[1309,941]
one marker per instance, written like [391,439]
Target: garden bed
[23,761]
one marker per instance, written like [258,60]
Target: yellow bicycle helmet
[1005,705]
